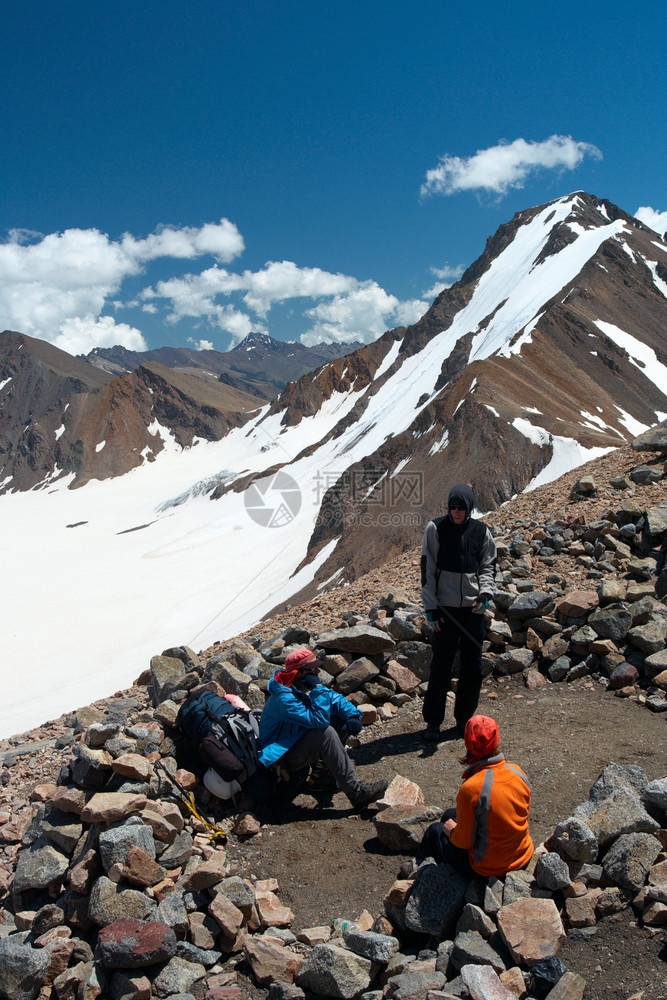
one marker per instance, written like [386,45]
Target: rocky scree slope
[116,892]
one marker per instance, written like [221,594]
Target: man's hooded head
[461,495]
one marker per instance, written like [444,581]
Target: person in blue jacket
[299,726]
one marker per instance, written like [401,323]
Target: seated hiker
[297,727]
[489,833]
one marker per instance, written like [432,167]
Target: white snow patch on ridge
[641,355]
[537,435]
[5,382]
[567,455]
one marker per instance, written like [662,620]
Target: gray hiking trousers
[325,745]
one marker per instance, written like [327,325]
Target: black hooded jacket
[458,561]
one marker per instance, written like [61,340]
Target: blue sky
[338,142]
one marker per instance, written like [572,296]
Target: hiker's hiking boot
[367,792]
[432,734]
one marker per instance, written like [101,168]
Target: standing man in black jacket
[457,576]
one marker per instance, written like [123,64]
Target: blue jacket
[289,713]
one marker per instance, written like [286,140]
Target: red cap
[481,736]
[300,658]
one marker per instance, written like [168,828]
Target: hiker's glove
[432,617]
[310,681]
[353,726]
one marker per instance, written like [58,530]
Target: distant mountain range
[259,364]
[549,351]
[96,416]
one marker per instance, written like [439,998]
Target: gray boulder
[177,976]
[376,947]
[551,872]
[22,969]
[513,661]
[656,524]
[655,793]
[414,985]
[575,840]
[116,842]
[470,948]
[611,623]
[627,862]
[164,671]
[363,639]
[172,912]
[332,971]
[649,638]
[360,671]
[437,901]
[531,605]
[39,866]
[108,902]
[618,813]
[416,656]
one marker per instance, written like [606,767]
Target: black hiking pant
[460,629]
[436,844]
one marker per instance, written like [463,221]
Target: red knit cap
[295,661]
[300,658]
[481,736]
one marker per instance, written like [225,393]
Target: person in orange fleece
[487,834]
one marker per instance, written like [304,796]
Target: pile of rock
[489,938]
[119,891]
[614,629]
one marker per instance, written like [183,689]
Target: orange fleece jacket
[492,818]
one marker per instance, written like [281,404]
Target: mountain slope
[548,352]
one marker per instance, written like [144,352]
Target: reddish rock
[624,675]
[186,779]
[246,825]
[140,869]
[533,679]
[42,793]
[399,892]
[69,800]
[133,944]
[208,873]
[133,765]
[271,911]
[577,603]
[163,829]
[228,917]
[271,960]
[404,678]
[531,929]
[401,792]
[110,807]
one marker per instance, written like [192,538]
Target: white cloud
[362,314]
[56,286]
[79,334]
[652,219]
[352,310]
[201,345]
[447,275]
[506,165]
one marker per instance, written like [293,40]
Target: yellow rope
[188,799]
